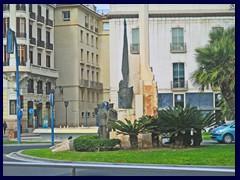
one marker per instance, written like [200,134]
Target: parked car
[224,133]
[209,128]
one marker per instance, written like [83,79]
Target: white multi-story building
[33,25]
[175,31]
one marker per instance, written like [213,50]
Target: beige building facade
[82,58]
[33,25]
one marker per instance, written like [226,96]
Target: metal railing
[105,166]
[135,48]
[178,47]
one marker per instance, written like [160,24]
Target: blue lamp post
[52,119]
[11,41]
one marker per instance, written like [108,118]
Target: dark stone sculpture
[125,93]
[102,117]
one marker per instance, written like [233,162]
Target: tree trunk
[133,141]
[179,141]
[187,138]
[228,95]
[197,137]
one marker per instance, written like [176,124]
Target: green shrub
[92,143]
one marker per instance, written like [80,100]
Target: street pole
[11,41]
[51,99]
[66,105]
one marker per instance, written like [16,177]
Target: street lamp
[66,105]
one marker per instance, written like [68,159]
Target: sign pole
[52,119]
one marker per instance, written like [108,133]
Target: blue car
[224,133]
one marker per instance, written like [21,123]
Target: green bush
[92,143]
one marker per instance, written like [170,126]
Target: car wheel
[227,138]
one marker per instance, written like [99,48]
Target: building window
[87,56]
[82,95]
[47,14]
[82,54]
[31,56]
[66,15]
[39,10]
[21,7]
[39,87]
[81,35]
[39,59]
[96,42]
[178,40]
[81,73]
[135,41]
[178,75]
[165,100]
[22,54]
[92,40]
[86,21]
[21,27]
[13,107]
[105,26]
[88,75]
[47,36]
[6,57]
[87,38]
[30,86]
[97,63]
[39,34]
[97,76]
[5,26]
[48,87]
[179,100]
[215,29]
[92,57]
[92,75]
[48,61]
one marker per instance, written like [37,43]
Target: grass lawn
[215,155]
[206,135]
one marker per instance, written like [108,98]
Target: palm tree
[132,129]
[216,65]
[178,121]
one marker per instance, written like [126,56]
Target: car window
[233,126]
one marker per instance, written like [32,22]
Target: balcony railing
[179,85]
[6,7]
[30,90]
[40,43]
[32,40]
[135,48]
[49,46]
[49,22]
[32,15]
[21,34]
[40,19]
[96,29]
[6,63]
[21,7]
[40,91]
[178,47]
[23,63]
[86,25]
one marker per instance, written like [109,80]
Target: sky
[102,6]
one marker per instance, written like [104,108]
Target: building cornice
[172,15]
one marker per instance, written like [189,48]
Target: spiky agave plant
[131,128]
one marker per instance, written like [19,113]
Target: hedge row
[93,143]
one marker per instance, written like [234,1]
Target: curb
[86,162]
